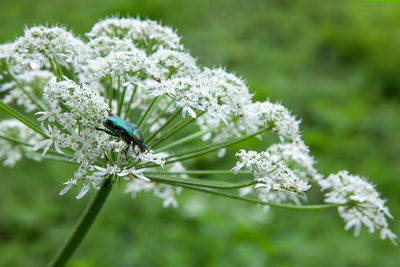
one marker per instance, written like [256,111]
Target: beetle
[128,132]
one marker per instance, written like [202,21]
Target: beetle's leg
[126,150]
[107,131]
[136,142]
[134,151]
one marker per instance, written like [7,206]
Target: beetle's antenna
[109,112]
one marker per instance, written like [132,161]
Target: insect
[128,132]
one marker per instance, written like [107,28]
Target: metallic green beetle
[128,132]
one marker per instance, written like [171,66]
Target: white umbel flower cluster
[270,172]
[12,151]
[139,71]
[366,207]
[39,44]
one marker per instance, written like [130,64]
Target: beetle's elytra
[128,132]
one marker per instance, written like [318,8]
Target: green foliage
[335,65]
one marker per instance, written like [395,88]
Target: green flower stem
[201,182]
[128,107]
[159,116]
[207,149]
[163,126]
[200,172]
[175,129]
[117,93]
[147,112]
[58,68]
[54,69]
[14,140]
[85,222]
[30,96]
[72,72]
[121,101]
[256,201]
[14,113]
[62,159]
[110,93]
[20,142]
[186,139]
[211,148]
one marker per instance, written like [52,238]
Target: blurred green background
[335,64]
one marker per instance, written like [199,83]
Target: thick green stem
[14,113]
[87,219]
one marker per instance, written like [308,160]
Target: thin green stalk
[20,142]
[175,129]
[62,159]
[163,126]
[186,139]
[72,71]
[110,93]
[58,68]
[128,107]
[14,140]
[211,148]
[117,93]
[14,113]
[200,172]
[160,115]
[256,201]
[85,222]
[30,96]
[54,69]
[201,182]
[146,113]
[121,101]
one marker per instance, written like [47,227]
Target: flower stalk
[83,225]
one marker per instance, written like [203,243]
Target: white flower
[12,152]
[134,173]
[297,154]
[170,63]
[41,43]
[270,172]
[56,137]
[68,186]
[110,170]
[143,33]
[158,158]
[366,205]
[93,182]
